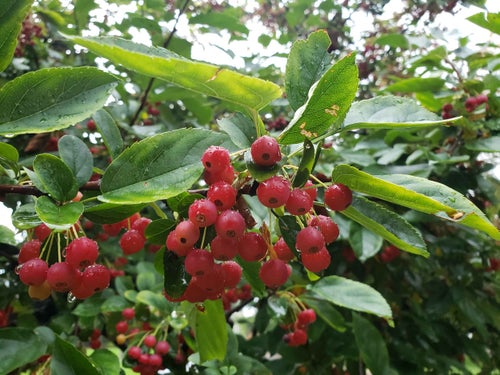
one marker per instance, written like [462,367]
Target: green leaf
[20,346]
[325,311]
[241,90]
[365,243]
[158,230]
[52,99]
[352,295]
[107,213]
[240,129]
[211,331]
[489,21]
[9,152]
[176,279]
[491,144]
[146,280]
[227,19]
[155,300]
[68,360]
[158,167]
[7,236]
[327,105]
[12,14]
[307,62]
[419,194]
[90,307]
[107,361]
[55,177]
[306,165]
[76,155]
[110,132]
[386,224]
[25,217]
[371,345]
[289,228]
[416,84]
[251,275]
[58,217]
[392,40]
[114,304]
[387,112]
[258,172]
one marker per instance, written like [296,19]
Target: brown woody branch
[33,190]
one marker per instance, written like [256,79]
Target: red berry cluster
[77,273]
[149,356]
[389,253]
[210,264]
[29,31]
[471,103]
[298,335]
[233,295]
[95,339]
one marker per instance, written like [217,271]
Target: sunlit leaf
[55,177]
[419,194]
[230,86]
[158,167]
[328,102]
[306,63]
[12,14]
[387,112]
[52,99]
[352,295]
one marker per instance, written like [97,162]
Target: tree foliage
[103,141]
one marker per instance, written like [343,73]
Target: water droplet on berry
[71,298]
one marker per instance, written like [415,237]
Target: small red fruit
[265,151]
[338,197]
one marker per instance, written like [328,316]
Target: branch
[33,190]
[145,94]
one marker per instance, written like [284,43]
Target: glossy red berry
[128,313]
[309,240]
[230,224]
[140,225]
[134,352]
[215,159]
[223,248]
[173,244]
[232,272]
[131,242]
[162,347]
[318,261]
[150,341]
[306,317]
[121,326]
[187,233]
[471,104]
[33,271]
[42,231]
[274,273]
[299,202]
[155,360]
[283,251]
[199,262]
[298,338]
[203,212]
[327,227]
[222,194]
[62,277]
[29,250]
[81,252]
[252,247]
[265,151]
[96,277]
[227,175]
[273,192]
[389,253]
[91,125]
[338,197]
[310,189]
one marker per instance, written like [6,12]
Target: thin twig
[33,190]
[145,94]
